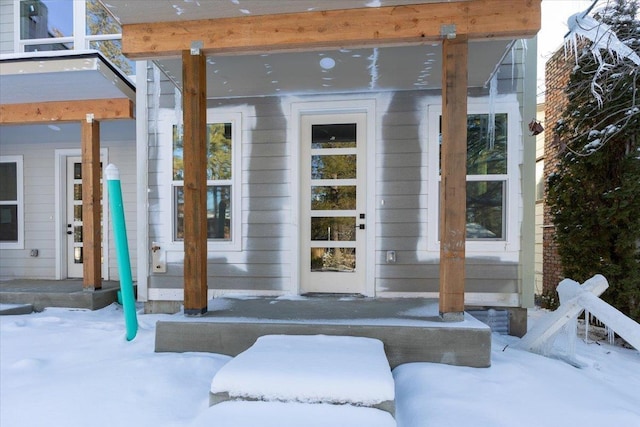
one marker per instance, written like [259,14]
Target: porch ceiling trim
[66,111]
[383,26]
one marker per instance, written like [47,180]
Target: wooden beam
[453,187]
[195,182]
[382,26]
[91,205]
[66,111]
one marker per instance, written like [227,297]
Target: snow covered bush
[595,195]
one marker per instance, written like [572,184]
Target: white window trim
[166,121]
[18,160]
[511,240]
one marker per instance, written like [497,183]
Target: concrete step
[311,369]
[409,328]
[11,309]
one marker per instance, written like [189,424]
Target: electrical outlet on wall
[391,257]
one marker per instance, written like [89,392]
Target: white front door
[333,202]
[73,221]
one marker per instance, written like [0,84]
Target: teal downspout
[122,250]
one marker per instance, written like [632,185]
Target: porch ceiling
[302,72]
[60,76]
[354,70]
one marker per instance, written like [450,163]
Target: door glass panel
[333,229]
[333,135]
[77,255]
[333,167]
[333,260]
[77,234]
[333,198]
[77,171]
[77,213]
[77,192]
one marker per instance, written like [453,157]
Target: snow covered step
[291,414]
[309,369]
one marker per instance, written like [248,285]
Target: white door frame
[61,156]
[298,109]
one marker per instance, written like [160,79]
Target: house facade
[48,76]
[323,171]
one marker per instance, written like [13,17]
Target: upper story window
[47,25]
[11,209]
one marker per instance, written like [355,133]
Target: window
[222,187]
[489,175]
[11,222]
[47,25]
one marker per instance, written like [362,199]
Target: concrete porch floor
[56,293]
[410,328]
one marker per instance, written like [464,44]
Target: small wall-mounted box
[391,257]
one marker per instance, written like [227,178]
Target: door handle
[360,227]
[69,232]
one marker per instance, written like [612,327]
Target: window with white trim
[489,174]
[54,25]
[223,187]
[11,206]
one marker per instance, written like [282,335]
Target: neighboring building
[557,73]
[323,171]
[540,188]
[45,62]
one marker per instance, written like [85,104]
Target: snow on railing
[574,298]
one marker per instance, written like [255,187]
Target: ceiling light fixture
[327,63]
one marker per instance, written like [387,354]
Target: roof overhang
[38,77]
[273,47]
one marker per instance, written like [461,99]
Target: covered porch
[197,36]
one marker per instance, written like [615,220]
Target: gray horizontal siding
[263,262]
[6,26]
[400,190]
[39,204]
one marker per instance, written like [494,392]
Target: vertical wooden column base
[195,312]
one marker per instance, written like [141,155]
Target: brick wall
[557,72]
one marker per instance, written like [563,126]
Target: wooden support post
[195,182]
[91,205]
[453,188]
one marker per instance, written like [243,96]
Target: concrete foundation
[410,329]
[162,307]
[57,293]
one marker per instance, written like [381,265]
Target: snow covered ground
[74,368]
